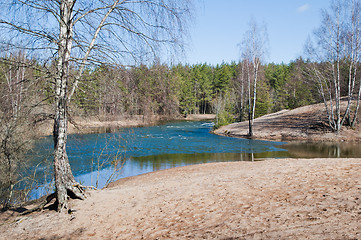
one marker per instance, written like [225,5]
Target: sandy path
[272,199]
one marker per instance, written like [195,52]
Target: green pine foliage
[288,86]
[87,95]
[277,76]
[264,104]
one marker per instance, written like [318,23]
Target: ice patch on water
[211,124]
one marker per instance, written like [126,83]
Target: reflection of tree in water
[324,150]
[163,161]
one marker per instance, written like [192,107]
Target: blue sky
[219,27]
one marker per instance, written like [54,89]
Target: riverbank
[272,199]
[81,125]
[307,123]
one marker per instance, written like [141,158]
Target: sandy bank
[304,123]
[96,125]
[272,199]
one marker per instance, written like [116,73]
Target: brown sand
[304,123]
[197,117]
[272,199]
[96,125]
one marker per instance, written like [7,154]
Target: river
[133,151]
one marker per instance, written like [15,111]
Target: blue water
[134,151]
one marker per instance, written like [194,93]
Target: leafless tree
[74,34]
[254,49]
[15,133]
[353,40]
[336,45]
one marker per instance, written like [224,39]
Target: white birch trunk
[64,179]
[256,66]
[250,131]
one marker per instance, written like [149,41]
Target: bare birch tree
[254,49]
[335,46]
[75,33]
[353,40]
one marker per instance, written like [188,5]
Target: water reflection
[158,162]
[146,149]
[322,150]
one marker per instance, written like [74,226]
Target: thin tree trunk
[65,183]
[338,92]
[321,90]
[8,155]
[330,89]
[256,65]
[90,47]
[250,133]
[353,122]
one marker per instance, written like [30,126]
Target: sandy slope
[273,199]
[304,123]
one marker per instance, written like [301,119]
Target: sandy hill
[304,123]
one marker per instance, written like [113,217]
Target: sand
[308,123]
[271,199]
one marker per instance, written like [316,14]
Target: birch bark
[65,183]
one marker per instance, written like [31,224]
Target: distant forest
[169,91]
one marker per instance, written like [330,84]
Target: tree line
[110,91]
[179,90]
